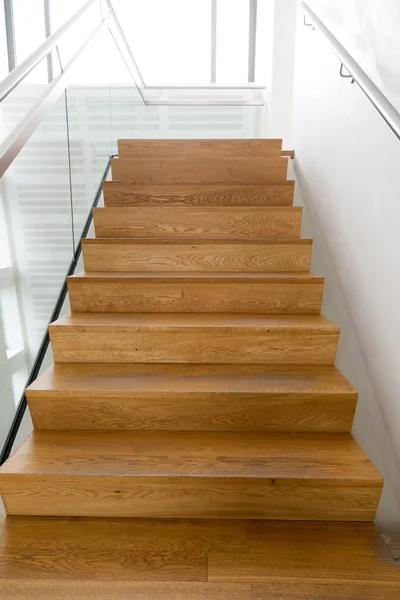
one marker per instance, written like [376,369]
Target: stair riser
[204,223]
[227,257]
[191,345]
[189,497]
[136,296]
[123,194]
[215,149]
[194,411]
[166,171]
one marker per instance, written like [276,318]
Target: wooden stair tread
[182,559]
[104,397]
[161,188]
[280,456]
[182,321]
[92,379]
[212,255]
[203,277]
[208,222]
[193,170]
[126,193]
[195,292]
[195,148]
[198,241]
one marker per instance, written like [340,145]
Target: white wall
[347,163]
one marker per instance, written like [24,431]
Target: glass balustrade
[47,191]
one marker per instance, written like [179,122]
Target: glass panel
[213,121]
[232,41]
[18,102]
[29,27]
[198,118]
[171,41]
[41,213]
[36,214]
[101,107]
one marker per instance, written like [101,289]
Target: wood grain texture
[193,222]
[196,255]
[362,539]
[194,453]
[193,338]
[327,589]
[120,559]
[125,194]
[109,589]
[199,397]
[194,383]
[332,553]
[193,538]
[207,474]
[200,170]
[100,549]
[264,293]
[185,148]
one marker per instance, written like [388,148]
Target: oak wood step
[207,170]
[108,254]
[191,474]
[125,193]
[228,148]
[192,397]
[194,338]
[90,558]
[291,293]
[198,222]
[310,561]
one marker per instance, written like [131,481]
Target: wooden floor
[120,559]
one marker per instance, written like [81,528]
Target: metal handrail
[387,111]
[20,72]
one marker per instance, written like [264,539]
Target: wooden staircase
[195,379]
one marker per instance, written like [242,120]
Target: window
[173,41]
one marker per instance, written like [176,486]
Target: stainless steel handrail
[20,72]
[387,111]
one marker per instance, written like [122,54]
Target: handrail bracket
[347,75]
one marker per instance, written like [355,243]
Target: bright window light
[232,41]
[29,30]
[171,41]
